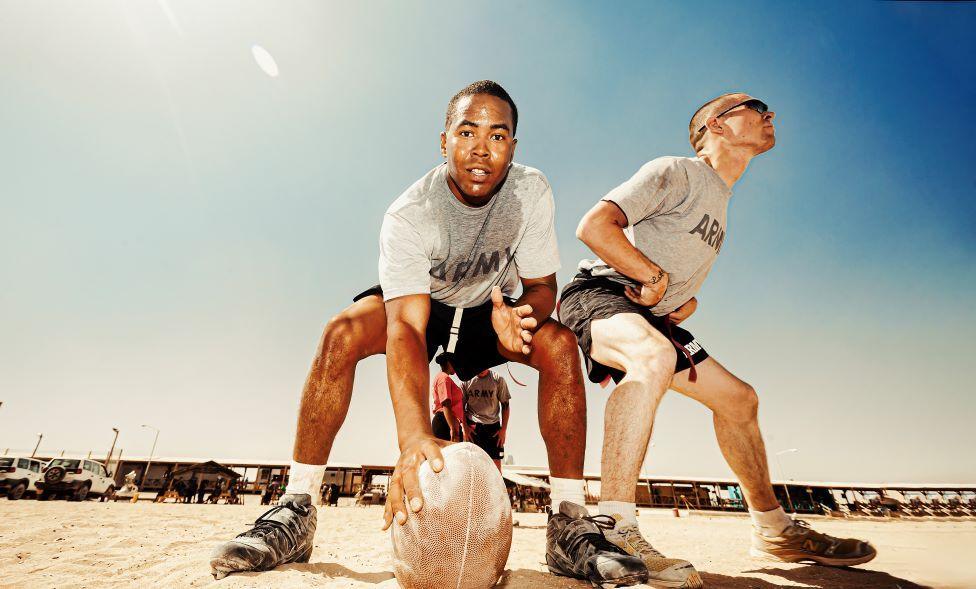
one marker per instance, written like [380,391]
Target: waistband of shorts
[585,280]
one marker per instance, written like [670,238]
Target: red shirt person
[447,405]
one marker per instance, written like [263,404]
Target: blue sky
[178,226]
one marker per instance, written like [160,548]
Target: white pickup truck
[18,475]
[76,478]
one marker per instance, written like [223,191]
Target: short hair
[482,87]
[696,131]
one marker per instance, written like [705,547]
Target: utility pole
[151,452]
[108,459]
[40,436]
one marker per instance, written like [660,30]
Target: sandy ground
[61,544]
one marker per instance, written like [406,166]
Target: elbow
[583,230]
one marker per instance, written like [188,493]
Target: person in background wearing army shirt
[486,411]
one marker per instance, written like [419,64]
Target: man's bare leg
[286,533]
[629,343]
[734,405]
[562,400]
[356,333]
[735,412]
[562,420]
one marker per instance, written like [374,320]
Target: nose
[481,148]
[769,115]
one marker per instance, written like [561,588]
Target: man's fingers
[411,489]
[496,296]
[527,336]
[394,501]
[433,453]
[523,311]
[528,323]
[630,294]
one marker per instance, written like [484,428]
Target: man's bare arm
[406,363]
[541,294]
[407,374]
[503,431]
[450,417]
[602,230]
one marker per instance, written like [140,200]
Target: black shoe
[283,534]
[576,547]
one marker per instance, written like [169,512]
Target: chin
[766,145]
[480,189]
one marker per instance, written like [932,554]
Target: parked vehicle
[18,475]
[76,478]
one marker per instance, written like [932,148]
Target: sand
[61,544]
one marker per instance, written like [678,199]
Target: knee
[555,349]
[742,404]
[650,358]
[337,348]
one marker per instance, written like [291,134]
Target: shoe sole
[221,567]
[619,582]
[807,557]
[693,581]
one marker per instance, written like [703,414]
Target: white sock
[625,512]
[305,479]
[770,523]
[566,490]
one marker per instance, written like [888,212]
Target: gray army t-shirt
[676,211]
[483,397]
[432,243]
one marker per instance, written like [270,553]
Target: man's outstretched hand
[684,311]
[405,484]
[513,325]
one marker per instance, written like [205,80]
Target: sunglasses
[755,104]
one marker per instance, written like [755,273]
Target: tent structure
[525,481]
[208,467]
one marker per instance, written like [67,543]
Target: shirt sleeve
[440,391]
[538,253]
[656,188]
[503,394]
[404,265]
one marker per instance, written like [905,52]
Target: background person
[486,412]
[447,402]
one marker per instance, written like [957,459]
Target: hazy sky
[177,225]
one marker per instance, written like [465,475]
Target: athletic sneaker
[662,571]
[281,535]
[576,547]
[800,543]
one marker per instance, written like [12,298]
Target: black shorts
[440,426]
[588,298]
[485,436]
[477,345]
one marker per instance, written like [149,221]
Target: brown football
[461,538]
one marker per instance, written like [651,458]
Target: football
[462,536]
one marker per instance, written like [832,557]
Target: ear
[514,144]
[714,126]
[443,144]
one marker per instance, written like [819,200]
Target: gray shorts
[588,298]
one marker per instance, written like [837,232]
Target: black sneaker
[576,547]
[281,535]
